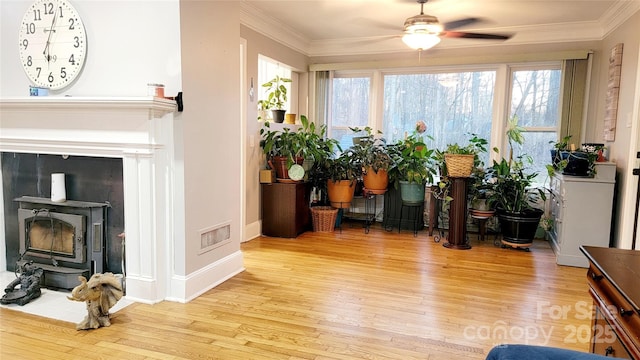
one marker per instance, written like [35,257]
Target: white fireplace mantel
[137,129]
[89,126]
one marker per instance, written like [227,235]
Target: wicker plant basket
[459,165]
[323,218]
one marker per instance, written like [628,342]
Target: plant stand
[457,238]
[414,209]
[434,210]
[391,212]
[370,206]
[481,216]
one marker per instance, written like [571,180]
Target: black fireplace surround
[88,180]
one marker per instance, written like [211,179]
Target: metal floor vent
[213,237]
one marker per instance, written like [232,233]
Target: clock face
[52,43]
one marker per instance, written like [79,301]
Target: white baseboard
[252,230]
[142,290]
[187,288]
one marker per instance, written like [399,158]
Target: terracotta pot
[279,164]
[341,193]
[376,183]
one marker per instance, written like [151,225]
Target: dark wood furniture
[614,285]
[457,238]
[285,209]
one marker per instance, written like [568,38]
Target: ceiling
[340,27]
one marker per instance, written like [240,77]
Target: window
[535,100]
[267,70]
[453,105]
[349,106]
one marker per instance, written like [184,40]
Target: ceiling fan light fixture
[420,40]
[423,23]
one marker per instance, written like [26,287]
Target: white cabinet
[581,210]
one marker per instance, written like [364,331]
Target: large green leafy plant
[412,161]
[512,187]
[276,93]
[285,143]
[476,146]
[371,151]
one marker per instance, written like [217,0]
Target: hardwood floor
[341,295]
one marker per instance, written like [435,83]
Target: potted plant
[460,161]
[513,194]
[263,107]
[315,147]
[559,155]
[412,167]
[479,190]
[371,154]
[341,173]
[276,97]
[570,161]
[282,149]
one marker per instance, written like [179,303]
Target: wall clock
[52,43]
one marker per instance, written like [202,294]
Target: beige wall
[258,44]
[622,150]
[211,126]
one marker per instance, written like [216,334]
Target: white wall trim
[632,180]
[252,231]
[187,288]
[137,130]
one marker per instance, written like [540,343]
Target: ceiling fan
[424,31]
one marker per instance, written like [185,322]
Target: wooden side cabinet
[285,209]
[613,278]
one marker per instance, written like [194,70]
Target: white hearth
[137,130]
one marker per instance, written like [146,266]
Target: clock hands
[47,47]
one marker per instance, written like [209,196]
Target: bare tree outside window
[453,105]
[349,107]
[535,100]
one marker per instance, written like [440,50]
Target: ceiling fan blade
[372,23]
[450,25]
[372,40]
[468,35]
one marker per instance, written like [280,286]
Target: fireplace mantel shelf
[160,106]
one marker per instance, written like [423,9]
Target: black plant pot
[558,155]
[278,115]
[519,229]
[578,164]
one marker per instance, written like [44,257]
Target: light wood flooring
[341,295]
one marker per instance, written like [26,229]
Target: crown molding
[275,30]
[620,12]
[523,35]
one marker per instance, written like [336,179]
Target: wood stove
[66,239]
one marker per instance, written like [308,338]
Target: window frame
[501,102]
[371,106]
[283,70]
[511,69]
